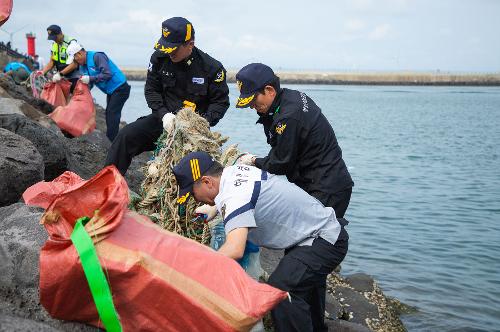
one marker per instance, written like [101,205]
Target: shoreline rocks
[21,166]
[354,303]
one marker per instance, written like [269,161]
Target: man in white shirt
[273,213]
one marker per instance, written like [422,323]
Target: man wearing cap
[59,57]
[179,76]
[96,68]
[303,143]
[271,212]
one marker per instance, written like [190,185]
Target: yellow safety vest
[59,54]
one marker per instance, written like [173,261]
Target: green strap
[95,276]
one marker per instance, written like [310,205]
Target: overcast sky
[420,35]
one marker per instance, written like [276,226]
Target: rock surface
[354,303]
[21,166]
[51,146]
[21,238]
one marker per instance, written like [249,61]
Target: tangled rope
[159,190]
[36,81]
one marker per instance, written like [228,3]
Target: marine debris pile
[159,194]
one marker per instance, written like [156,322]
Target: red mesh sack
[78,117]
[159,280]
[5,11]
[56,93]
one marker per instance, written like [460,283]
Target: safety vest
[109,86]
[59,54]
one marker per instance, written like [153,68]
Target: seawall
[365,78]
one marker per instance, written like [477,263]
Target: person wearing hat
[59,57]
[274,213]
[303,143]
[18,71]
[179,76]
[96,68]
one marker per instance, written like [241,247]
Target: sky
[334,35]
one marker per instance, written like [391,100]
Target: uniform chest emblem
[198,80]
[280,128]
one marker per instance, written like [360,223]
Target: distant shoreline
[367,78]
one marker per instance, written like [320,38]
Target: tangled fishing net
[36,82]
[158,199]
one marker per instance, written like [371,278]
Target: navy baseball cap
[250,79]
[174,32]
[189,170]
[53,31]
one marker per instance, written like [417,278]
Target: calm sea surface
[425,209]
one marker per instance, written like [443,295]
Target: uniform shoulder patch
[280,128]
[220,76]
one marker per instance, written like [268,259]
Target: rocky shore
[365,78]
[34,149]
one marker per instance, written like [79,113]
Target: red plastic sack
[78,117]
[56,93]
[5,10]
[159,280]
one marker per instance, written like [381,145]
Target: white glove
[85,79]
[246,159]
[210,211]
[168,122]
[56,77]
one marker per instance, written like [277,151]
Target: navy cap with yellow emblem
[53,31]
[250,79]
[189,170]
[174,32]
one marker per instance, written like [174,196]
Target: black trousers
[114,106]
[339,201]
[302,272]
[134,139]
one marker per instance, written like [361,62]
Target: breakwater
[364,78]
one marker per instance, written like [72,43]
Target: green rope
[96,279]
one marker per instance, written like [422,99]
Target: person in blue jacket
[97,69]
[18,71]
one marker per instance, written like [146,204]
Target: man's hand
[56,78]
[210,211]
[168,122]
[85,79]
[246,159]
[39,73]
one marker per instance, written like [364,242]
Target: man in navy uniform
[303,143]
[179,76]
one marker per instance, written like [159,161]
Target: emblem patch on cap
[182,199]
[239,84]
[165,32]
